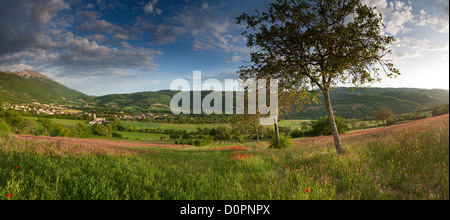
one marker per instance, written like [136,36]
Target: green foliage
[384,114]
[321,127]
[297,133]
[83,131]
[285,142]
[5,129]
[196,142]
[116,135]
[60,130]
[441,111]
[16,122]
[312,45]
[100,130]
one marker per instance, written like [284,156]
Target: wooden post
[277,132]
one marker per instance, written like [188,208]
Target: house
[97,120]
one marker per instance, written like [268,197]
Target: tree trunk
[277,131]
[334,129]
[256,132]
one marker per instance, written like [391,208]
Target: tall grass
[405,162]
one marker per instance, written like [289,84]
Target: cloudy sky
[110,46]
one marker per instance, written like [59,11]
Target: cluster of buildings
[52,110]
[142,116]
[38,110]
[98,120]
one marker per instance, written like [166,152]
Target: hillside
[143,101]
[357,104]
[364,102]
[29,86]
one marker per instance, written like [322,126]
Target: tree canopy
[310,44]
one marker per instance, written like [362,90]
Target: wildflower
[9,195]
[307,190]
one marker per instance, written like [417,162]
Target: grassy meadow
[402,162]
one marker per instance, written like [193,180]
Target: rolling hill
[29,86]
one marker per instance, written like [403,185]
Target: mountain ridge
[30,86]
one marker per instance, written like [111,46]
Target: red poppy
[307,190]
[9,195]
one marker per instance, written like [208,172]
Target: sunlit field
[402,162]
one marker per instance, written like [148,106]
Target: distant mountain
[157,101]
[30,86]
[348,104]
[363,102]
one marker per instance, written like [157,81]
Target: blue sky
[109,46]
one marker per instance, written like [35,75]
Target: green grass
[136,136]
[138,125]
[405,162]
[188,127]
[293,123]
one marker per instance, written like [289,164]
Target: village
[49,109]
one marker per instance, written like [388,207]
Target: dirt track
[95,142]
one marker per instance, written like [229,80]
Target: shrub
[286,130]
[5,129]
[196,142]
[441,111]
[117,135]
[174,136]
[297,133]
[285,142]
[363,125]
[322,126]
[99,130]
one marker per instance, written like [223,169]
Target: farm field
[408,161]
[188,127]
[137,125]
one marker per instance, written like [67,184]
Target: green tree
[310,44]
[322,126]
[28,126]
[384,114]
[100,130]
[48,126]
[83,132]
[285,142]
[61,130]
[5,129]
[441,110]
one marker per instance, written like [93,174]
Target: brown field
[371,131]
[94,142]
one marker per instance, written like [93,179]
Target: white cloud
[149,8]
[235,59]
[395,14]
[399,18]
[99,26]
[408,47]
